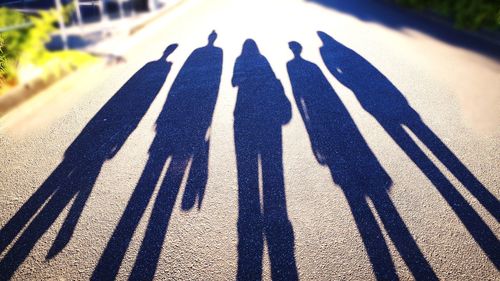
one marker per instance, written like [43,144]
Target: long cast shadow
[399,18]
[261,110]
[379,97]
[182,134]
[338,144]
[74,178]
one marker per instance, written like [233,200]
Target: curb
[21,93]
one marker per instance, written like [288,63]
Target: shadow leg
[456,167]
[113,254]
[371,234]
[40,224]
[401,237]
[479,230]
[149,253]
[278,229]
[250,228]
[69,225]
[14,226]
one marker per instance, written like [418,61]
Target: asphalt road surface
[284,140]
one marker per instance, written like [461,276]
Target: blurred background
[45,38]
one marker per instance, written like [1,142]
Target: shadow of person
[379,97]
[338,144]
[261,110]
[74,178]
[182,134]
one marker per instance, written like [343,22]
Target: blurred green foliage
[14,38]
[468,14]
[2,60]
[24,48]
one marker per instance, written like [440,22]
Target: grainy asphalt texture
[372,153]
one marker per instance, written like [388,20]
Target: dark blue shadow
[261,110]
[399,18]
[74,178]
[338,144]
[181,135]
[379,97]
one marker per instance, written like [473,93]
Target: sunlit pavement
[399,204]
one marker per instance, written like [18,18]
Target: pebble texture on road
[375,155]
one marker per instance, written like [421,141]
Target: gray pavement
[370,153]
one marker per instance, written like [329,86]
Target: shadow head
[212,37]
[169,50]
[327,39]
[250,47]
[296,48]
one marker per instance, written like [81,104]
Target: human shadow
[395,17]
[338,144]
[261,110]
[71,183]
[379,97]
[182,134]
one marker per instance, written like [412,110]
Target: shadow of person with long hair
[74,178]
[182,134]
[261,110]
[379,97]
[338,144]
